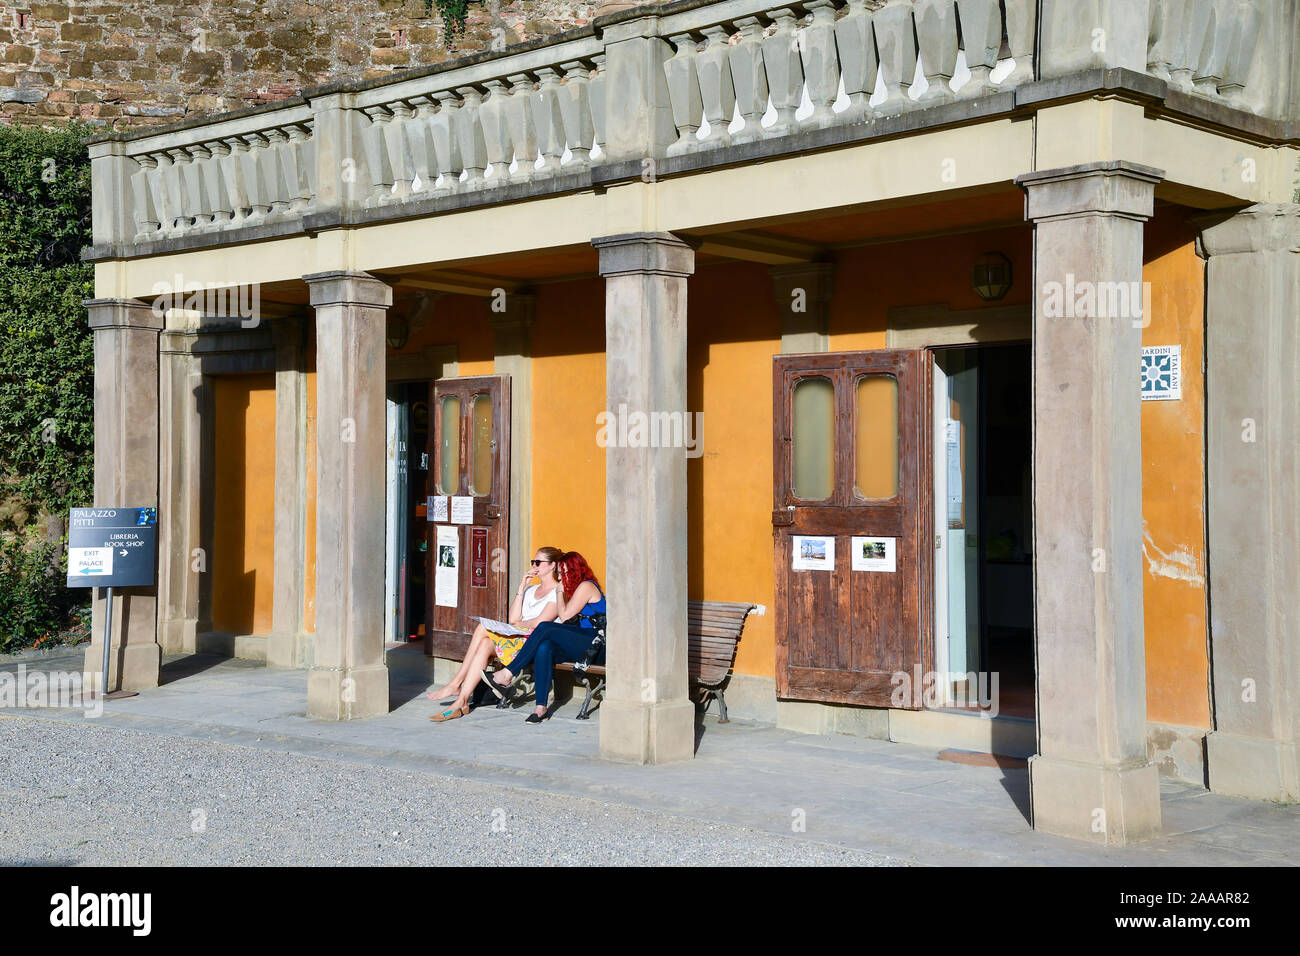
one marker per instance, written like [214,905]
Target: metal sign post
[108,548]
[108,641]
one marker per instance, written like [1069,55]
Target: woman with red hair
[566,638]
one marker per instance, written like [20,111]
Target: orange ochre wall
[733,332]
[568,478]
[1173,484]
[243,537]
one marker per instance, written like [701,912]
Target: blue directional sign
[112,547]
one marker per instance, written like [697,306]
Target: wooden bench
[712,632]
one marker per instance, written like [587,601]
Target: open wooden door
[469,447]
[850,486]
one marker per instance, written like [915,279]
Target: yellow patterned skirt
[507,647]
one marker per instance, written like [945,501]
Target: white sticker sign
[873,554]
[1162,373]
[437,508]
[812,553]
[462,509]
[88,562]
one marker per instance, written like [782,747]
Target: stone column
[110,183]
[342,178]
[803,294]
[1091,778]
[1077,35]
[639,117]
[513,333]
[181,562]
[1252,429]
[126,475]
[647,716]
[349,677]
[285,644]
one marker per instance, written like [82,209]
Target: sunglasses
[536,562]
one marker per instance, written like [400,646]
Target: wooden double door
[850,533]
[468,509]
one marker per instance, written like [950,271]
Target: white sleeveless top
[533,604]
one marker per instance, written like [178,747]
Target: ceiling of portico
[790,240]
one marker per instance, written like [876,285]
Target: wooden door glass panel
[813,439]
[481,445]
[449,445]
[876,437]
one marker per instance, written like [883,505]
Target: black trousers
[552,644]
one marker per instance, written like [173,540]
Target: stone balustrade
[781,70]
[679,79]
[1208,47]
[221,179]
[519,124]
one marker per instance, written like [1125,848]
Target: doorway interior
[406,567]
[983,520]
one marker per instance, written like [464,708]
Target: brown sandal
[450,714]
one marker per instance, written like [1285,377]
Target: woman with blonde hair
[537,600]
[566,638]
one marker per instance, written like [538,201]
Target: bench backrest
[712,630]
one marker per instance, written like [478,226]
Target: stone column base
[347,693]
[140,665]
[179,636]
[285,650]
[662,732]
[1259,767]
[1113,806]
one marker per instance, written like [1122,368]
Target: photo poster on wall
[812,552]
[873,554]
[446,575]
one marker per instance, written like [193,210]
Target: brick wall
[144,62]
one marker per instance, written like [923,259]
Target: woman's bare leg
[455,685]
[477,660]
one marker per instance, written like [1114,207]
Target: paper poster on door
[462,509]
[438,509]
[873,554]
[446,576]
[812,553]
[952,449]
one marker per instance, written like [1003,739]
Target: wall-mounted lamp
[991,276]
[398,330]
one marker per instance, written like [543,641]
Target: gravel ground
[78,794]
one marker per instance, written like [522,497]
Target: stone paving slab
[894,799]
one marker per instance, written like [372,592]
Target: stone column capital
[123,314]
[519,315]
[644,253]
[348,288]
[817,279]
[106,147]
[625,28]
[1113,188]
[1264,227]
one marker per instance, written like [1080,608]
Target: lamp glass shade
[991,276]
[397,331]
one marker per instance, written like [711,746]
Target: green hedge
[35,607]
[46,369]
